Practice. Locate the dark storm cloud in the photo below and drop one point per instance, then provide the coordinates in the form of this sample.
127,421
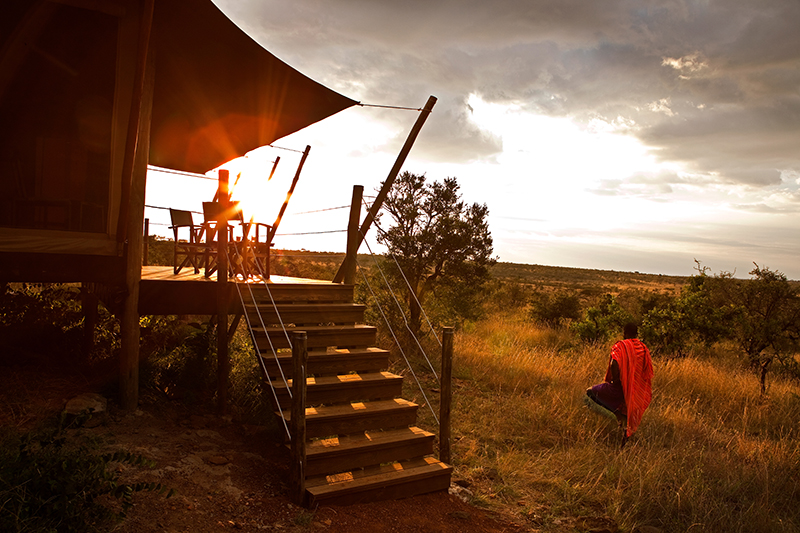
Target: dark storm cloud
714,84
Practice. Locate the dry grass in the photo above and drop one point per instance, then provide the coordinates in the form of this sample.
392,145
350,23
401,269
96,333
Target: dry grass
710,455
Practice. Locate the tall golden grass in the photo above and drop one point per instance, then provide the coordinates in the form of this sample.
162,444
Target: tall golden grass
711,454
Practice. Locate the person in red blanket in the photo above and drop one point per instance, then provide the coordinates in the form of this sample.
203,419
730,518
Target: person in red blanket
627,389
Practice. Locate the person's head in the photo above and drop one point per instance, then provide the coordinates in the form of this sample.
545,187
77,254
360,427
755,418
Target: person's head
630,331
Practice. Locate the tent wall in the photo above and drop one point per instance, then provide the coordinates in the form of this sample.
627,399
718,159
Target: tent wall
65,90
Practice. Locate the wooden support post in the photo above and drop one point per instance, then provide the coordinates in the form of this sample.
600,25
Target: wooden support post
223,360
132,222
133,137
146,243
288,195
446,398
234,324
387,185
298,420
353,241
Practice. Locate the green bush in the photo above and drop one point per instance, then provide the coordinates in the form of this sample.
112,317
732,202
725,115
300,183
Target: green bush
554,309
52,483
601,321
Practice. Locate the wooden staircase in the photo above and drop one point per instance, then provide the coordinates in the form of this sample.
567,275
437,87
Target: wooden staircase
361,442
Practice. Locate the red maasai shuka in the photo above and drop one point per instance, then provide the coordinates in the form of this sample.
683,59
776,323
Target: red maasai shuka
636,374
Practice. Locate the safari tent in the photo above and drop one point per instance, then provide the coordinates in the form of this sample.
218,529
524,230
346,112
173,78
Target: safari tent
91,92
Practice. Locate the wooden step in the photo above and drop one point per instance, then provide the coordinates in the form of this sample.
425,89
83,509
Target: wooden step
318,336
343,388
337,361
393,481
339,454
302,293
345,419
310,314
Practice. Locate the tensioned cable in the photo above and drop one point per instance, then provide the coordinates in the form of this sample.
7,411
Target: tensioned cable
260,359
180,172
400,308
414,294
255,343
391,107
261,319
311,232
397,342
274,306
168,208
320,210
287,149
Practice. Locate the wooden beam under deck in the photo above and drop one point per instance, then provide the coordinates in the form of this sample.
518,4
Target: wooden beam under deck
163,293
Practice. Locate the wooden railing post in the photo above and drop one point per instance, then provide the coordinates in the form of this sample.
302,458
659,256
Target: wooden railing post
298,417
223,361
352,236
446,397
146,243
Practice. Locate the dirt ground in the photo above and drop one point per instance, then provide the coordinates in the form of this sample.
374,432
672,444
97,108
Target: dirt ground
227,475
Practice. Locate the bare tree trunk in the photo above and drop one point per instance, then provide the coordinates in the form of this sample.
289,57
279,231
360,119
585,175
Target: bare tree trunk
765,364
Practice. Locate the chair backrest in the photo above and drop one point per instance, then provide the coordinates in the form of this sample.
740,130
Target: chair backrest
211,212
181,218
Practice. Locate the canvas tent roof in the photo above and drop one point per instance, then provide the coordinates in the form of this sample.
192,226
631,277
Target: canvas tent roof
66,84
219,94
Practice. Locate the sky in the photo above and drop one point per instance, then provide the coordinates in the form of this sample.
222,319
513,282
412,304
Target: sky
616,135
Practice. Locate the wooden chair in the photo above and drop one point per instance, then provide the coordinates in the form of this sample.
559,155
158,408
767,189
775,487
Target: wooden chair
191,250
256,248
248,252
209,234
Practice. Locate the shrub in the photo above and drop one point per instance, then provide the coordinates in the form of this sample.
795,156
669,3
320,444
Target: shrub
51,483
554,309
601,321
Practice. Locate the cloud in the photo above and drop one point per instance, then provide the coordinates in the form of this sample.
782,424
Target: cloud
711,84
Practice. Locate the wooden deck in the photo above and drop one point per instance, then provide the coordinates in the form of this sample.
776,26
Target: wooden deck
162,292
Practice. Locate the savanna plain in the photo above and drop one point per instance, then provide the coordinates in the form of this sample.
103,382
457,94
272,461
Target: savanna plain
715,452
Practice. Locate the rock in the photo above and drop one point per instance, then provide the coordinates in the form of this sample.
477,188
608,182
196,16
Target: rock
461,493
91,402
218,460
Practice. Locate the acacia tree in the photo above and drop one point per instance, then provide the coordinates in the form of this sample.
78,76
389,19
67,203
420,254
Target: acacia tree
440,243
766,316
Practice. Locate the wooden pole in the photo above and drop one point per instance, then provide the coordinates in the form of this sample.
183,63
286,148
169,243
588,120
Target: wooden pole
387,185
129,314
288,195
146,243
132,139
223,360
298,417
352,235
446,397
274,166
